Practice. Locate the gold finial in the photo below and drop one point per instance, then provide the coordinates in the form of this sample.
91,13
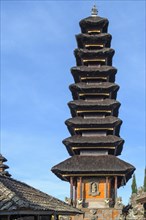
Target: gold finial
94,11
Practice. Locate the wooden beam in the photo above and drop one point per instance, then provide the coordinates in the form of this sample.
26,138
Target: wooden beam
106,191
81,188
115,187
75,199
71,189
91,174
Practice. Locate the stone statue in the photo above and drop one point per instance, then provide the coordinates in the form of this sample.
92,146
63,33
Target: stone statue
137,211
68,200
140,191
131,215
80,203
119,204
94,187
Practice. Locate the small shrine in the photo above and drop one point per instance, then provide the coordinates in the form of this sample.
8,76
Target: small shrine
94,170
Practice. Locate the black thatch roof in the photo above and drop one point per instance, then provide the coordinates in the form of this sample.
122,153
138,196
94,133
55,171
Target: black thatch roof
106,104
2,158
17,197
83,39
93,71
4,166
93,19
99,164
94,87
106,86
107,122
77,142
94,22
97,122
96,69
93,54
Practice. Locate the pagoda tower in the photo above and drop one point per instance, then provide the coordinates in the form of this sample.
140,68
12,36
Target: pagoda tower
94,171
3,166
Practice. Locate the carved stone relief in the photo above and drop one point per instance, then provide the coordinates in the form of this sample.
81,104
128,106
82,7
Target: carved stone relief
94,189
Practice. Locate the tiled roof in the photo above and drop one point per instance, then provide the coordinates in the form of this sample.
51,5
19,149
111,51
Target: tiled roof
17,196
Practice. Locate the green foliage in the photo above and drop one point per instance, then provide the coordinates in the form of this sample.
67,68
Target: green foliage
134,185
144,184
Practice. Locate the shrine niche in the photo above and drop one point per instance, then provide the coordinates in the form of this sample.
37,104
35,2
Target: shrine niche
93,186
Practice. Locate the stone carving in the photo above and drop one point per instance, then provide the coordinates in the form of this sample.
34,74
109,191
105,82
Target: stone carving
63,217
131,215
68,200
137,211
94,217
93,211
107,202
118,203
140,191
80,203
94,189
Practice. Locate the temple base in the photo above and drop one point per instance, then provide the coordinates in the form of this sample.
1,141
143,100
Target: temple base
101,214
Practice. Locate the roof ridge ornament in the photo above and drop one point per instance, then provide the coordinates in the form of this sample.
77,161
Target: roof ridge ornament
94,11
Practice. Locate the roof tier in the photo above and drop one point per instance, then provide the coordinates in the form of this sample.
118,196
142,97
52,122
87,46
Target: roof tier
98,24
93,73
78,125
105,89
3,166
2,158
91,41
99,165
76,143
103,56
107,106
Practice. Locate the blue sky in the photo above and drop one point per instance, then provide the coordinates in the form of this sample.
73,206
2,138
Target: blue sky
37,43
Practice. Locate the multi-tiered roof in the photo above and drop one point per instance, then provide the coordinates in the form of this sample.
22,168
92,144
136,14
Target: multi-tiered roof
95,142
3,166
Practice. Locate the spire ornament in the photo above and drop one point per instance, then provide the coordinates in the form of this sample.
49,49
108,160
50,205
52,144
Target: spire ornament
94,11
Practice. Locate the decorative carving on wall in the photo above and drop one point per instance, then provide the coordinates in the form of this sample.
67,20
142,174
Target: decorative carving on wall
68,200
79,203
136,211
94,189
93,211
118,203
107,202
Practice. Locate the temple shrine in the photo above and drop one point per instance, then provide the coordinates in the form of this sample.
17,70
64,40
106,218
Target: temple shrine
94,170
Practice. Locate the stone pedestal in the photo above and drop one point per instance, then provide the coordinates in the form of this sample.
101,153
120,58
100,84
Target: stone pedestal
102,214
